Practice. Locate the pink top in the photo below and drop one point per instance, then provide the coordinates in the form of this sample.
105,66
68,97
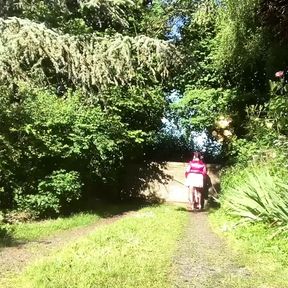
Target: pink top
196,166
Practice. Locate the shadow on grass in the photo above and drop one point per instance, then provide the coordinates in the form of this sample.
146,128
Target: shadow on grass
6,237
107,209
92,206
182,209
133,193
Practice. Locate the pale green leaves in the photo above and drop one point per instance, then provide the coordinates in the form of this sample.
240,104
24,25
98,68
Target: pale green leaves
114,8
90,62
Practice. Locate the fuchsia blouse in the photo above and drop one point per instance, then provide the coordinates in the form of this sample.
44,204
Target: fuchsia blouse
197,167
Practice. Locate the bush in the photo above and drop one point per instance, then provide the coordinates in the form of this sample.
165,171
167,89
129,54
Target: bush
40,205
5,231
53,192
278,110
257,193
65,185
14,216
5,234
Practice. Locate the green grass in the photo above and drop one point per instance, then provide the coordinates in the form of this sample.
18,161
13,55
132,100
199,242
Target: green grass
29,231
266,257
133,252
37,230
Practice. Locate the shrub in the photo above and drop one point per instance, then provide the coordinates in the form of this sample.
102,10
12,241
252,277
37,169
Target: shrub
5,231
40,205
53,191
65,185
257,193
14,216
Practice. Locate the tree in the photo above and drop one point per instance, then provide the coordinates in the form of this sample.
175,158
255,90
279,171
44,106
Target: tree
86,92
274,14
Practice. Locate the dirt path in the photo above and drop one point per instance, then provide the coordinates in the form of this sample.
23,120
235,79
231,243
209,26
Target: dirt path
14,259
203,260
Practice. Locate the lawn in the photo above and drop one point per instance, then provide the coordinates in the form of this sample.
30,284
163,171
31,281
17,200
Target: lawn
135,251
258,247
34,230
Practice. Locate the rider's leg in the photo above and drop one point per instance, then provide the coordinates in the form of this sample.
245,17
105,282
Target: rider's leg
190,195
199,198
194,197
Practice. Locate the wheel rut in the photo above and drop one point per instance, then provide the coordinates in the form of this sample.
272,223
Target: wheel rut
203,259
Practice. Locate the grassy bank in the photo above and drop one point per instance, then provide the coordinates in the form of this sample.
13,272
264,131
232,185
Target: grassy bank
253,218
36,230
29,231
257,193
265,256
133,252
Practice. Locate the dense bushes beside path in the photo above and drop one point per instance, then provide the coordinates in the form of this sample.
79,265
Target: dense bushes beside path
51,146
257,193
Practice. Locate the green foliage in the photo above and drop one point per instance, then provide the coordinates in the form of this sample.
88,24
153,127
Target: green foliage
104,70
168,147
200,108
81,16
197,21
48,133
52,192
243,151
68,127
65,185
40,205
42,54
93,61
257,193
265,128
256,188
81,90
239,45
141,108
258,246
278,108
246,50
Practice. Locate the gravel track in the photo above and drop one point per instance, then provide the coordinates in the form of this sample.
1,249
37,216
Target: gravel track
203,260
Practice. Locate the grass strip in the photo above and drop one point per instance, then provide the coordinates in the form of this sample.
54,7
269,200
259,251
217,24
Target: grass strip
36,230
265,256
30,231
135,251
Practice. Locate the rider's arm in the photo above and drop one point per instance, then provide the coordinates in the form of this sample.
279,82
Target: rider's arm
187,170
204,170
